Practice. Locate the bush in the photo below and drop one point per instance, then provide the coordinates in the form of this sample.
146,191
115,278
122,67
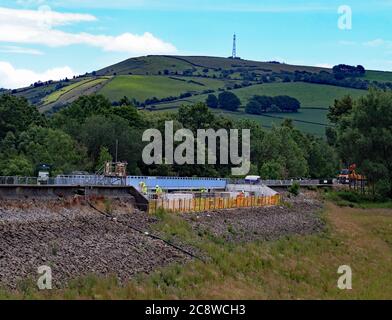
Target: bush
229,101
260,104
294,189
212,101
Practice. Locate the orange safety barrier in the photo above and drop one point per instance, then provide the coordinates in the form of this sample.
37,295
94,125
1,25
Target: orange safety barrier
208,204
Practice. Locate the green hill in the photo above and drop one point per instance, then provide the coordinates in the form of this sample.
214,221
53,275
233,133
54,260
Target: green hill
161,83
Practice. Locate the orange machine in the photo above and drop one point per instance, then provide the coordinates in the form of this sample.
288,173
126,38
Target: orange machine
343,177
349,176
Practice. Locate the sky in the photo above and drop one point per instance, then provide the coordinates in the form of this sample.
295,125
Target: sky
53,39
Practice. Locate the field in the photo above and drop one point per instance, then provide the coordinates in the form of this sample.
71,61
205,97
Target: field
381,76
71,92
297,266
151,65
312,121
224,63
315,100
310,95
144,87
57,94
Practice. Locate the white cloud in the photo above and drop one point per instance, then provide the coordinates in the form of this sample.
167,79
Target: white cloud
21,50
377,43
11,78
30,2
324,65
44,17
38,27
267,6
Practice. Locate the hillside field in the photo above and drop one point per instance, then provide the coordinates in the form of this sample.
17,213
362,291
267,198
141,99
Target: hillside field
175,77
381,76
315,100
144,87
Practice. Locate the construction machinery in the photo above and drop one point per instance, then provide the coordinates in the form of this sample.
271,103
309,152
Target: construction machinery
351,177
344,176
43,173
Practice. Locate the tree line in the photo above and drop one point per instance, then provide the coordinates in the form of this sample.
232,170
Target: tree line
262,104
363,136
82,136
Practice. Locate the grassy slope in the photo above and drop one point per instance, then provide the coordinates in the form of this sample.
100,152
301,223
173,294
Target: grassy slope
297,267
72,92
225,63
57,94
310,95
153,64
310,115
145,65
30,93
381,76
143,87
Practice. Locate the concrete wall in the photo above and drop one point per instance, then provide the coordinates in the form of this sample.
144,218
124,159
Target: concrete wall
53,192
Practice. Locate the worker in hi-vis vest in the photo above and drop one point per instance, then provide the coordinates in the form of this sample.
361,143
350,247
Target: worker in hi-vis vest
158,191
143,187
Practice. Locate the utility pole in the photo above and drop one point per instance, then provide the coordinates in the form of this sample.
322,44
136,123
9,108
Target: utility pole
116,149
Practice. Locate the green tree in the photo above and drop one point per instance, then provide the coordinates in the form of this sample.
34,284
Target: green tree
280,146
52,146
322,159
196,116
104,156
124,101
331,135
286,103
85,107
212,101
98,131
253,107
365,138
16,165
16,115
129,113
272,170
340,108
228,101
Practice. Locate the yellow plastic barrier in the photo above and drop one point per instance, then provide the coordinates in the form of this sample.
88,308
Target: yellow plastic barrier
208,204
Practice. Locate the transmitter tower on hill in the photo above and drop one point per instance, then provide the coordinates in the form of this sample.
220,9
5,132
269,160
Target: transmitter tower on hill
234,53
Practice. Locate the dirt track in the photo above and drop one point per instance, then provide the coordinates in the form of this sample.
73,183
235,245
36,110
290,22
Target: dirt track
76,240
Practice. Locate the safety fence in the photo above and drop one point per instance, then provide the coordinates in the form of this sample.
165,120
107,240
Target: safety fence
211,203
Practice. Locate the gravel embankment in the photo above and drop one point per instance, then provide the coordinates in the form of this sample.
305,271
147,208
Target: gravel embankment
268,223
75,240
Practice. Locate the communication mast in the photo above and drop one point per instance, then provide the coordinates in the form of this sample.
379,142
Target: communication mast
234,54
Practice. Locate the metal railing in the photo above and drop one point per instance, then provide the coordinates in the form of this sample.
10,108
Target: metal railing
90,180
19,180
168,183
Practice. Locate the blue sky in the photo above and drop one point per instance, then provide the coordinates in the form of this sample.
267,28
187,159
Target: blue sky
44,39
